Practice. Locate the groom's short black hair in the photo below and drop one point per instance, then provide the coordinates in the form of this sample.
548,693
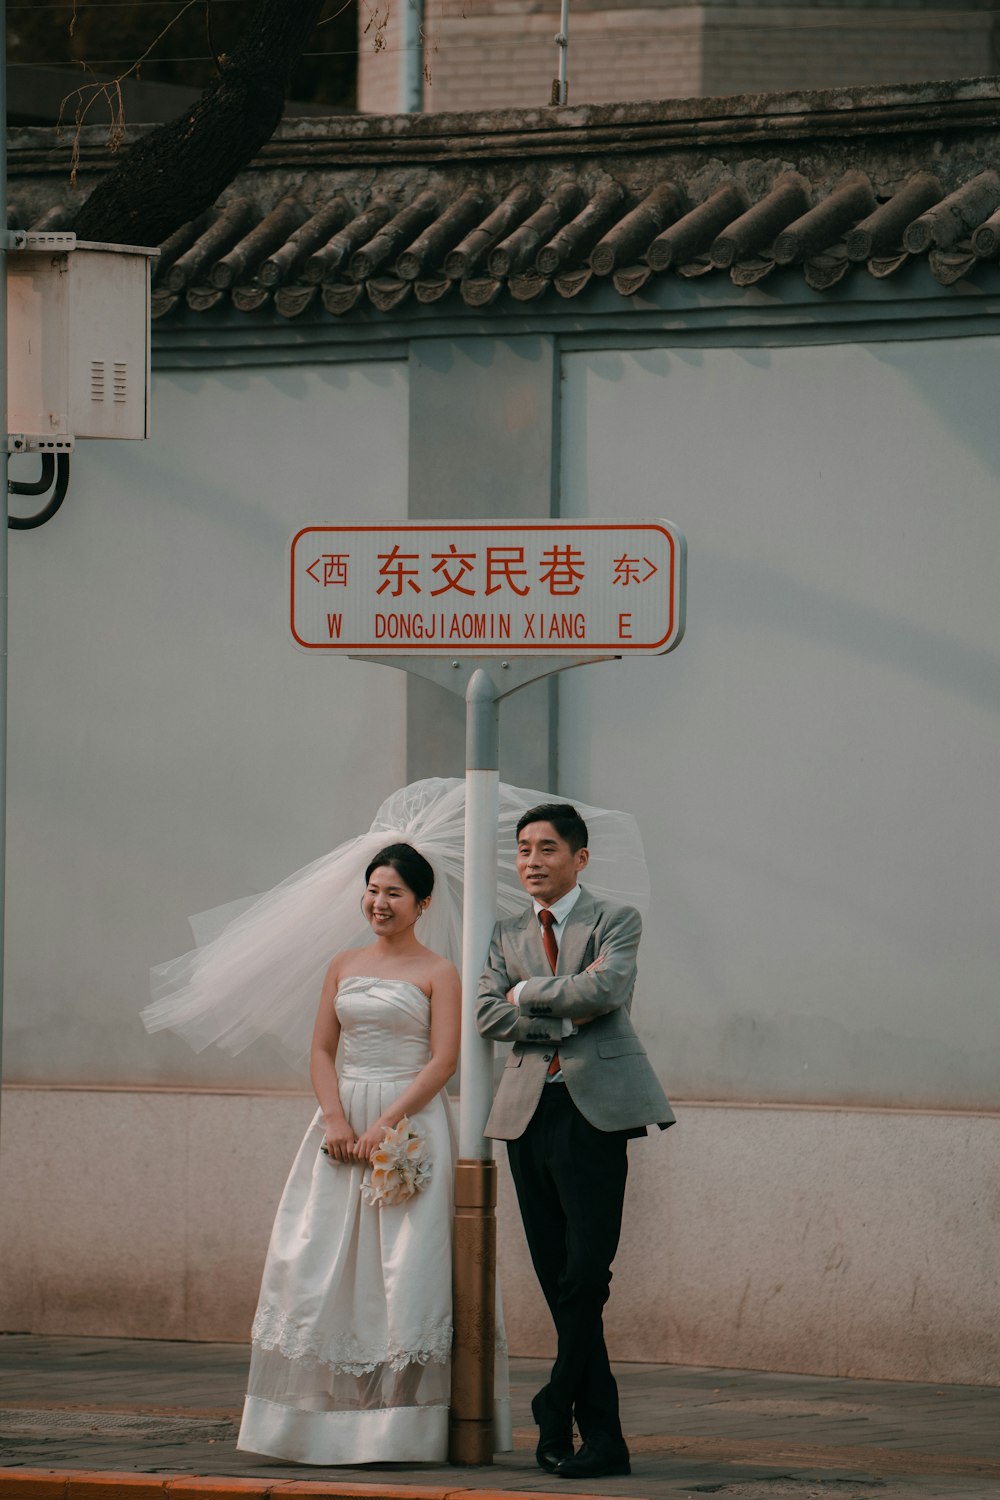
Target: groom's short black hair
564,819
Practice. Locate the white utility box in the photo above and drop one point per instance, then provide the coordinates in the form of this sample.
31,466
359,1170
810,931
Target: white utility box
77,342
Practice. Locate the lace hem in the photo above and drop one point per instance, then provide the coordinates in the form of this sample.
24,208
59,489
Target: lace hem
346,1355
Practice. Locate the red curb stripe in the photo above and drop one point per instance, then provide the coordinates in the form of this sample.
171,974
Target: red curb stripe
109,1485
83,1484
32,1484
193,1488
343,1489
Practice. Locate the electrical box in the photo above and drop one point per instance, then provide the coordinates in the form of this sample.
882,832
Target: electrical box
77,342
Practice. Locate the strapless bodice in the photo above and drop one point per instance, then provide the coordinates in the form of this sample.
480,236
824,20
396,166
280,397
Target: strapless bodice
385,1027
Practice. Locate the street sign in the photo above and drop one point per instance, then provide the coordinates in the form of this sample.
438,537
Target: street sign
507,588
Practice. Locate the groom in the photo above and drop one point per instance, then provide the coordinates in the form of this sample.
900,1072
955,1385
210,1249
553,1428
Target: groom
558,984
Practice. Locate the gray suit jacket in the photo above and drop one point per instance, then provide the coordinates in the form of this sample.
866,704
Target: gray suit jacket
604,1064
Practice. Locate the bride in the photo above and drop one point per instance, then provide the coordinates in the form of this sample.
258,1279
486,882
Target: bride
352,1337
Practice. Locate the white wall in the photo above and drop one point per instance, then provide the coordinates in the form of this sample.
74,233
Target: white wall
838,1242
170,748
816,768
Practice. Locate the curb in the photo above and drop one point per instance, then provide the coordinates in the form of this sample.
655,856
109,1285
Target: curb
90,1484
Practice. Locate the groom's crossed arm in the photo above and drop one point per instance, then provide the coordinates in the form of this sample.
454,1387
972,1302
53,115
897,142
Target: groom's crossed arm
543,1004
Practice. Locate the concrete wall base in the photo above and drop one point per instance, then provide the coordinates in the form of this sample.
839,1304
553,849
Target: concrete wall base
855,1242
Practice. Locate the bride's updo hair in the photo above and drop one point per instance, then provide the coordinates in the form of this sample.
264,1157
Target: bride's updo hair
409,864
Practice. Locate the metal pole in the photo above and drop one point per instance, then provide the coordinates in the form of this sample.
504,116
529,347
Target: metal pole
482,807
4,473
561,89
473,1354
412,57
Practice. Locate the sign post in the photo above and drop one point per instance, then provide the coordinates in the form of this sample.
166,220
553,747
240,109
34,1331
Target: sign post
482,609
475,1239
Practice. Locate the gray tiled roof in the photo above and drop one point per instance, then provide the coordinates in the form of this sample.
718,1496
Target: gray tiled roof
445,217
527,244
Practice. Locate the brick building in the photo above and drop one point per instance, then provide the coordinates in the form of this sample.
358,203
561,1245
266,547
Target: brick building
481,54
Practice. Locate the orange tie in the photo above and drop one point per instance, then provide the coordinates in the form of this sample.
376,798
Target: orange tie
552,954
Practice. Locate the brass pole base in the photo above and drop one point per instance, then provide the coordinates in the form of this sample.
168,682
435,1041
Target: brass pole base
474,1295
470,1443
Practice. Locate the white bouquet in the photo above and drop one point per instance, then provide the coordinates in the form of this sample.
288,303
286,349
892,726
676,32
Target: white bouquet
401,1166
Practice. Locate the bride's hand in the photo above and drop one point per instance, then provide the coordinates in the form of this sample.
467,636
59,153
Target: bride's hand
367,1144
339,1142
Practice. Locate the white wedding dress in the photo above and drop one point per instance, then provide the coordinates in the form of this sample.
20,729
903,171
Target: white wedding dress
352,1337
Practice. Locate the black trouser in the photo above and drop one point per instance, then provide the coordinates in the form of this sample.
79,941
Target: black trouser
570,1181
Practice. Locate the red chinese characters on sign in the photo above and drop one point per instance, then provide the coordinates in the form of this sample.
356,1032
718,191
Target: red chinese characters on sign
397,569
562,569
330,569
453,566
629,570
504,566
576,588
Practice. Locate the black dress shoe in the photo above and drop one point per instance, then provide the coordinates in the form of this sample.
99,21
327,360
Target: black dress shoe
552,1456
594,1463
555,1437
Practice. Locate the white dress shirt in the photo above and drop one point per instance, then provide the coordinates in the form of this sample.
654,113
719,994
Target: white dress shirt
560,910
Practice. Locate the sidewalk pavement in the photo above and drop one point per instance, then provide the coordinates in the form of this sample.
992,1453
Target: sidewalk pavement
117,1419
